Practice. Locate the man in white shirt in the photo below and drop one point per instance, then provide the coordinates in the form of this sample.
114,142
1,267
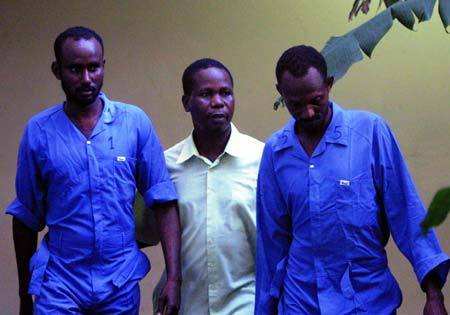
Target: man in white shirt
215,171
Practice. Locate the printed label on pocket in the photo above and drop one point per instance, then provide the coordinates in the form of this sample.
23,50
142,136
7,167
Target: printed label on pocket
121,158
344,182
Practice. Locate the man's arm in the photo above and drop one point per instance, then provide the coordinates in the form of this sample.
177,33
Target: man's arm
435,299
170,233
273,228
27,209
25,243
404,212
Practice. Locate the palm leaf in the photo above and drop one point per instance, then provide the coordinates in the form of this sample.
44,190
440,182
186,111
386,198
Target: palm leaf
341,52
369,34
438,210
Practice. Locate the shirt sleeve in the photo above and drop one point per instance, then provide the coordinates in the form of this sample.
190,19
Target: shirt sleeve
404,208
28,206
153,180
273,237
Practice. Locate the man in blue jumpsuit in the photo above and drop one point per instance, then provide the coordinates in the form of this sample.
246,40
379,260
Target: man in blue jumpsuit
332,187
79,165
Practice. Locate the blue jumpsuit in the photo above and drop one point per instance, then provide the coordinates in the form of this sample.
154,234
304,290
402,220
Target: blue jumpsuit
83,190
323,221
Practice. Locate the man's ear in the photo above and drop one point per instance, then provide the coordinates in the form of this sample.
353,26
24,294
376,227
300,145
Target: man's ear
329,81
55,70
185,101
278,88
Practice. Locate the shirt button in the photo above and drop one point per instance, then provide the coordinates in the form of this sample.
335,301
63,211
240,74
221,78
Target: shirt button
88,142
311,165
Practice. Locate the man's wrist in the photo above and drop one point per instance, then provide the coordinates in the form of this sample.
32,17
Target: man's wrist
434,295
178,280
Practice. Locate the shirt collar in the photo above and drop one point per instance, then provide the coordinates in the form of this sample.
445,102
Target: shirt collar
109,110
233,147
337,130
234,144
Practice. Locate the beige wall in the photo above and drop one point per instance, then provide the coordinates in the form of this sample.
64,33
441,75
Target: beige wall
149,43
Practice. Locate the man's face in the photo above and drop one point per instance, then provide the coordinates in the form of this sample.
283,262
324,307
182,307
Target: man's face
80,70
211,102
306,99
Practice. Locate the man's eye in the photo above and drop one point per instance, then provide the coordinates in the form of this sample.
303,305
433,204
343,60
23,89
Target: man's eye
203,94
317,99
92,68
73,69
227,93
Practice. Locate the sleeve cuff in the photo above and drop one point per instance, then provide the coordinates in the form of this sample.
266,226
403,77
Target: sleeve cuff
160,193
22,213
439,263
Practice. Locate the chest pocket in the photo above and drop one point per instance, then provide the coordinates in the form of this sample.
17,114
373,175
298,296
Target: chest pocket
355,202
124,168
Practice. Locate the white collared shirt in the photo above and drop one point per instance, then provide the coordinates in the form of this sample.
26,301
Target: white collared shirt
218,215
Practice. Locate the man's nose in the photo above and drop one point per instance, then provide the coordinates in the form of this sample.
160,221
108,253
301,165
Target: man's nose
85,76
308,112
216,100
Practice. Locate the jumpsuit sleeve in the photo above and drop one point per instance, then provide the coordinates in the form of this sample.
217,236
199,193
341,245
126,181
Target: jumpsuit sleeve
28,206
403,207
273,237
152,177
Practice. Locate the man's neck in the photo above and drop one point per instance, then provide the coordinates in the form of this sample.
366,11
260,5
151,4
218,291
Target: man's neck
85,118
210,144
81,112
310,139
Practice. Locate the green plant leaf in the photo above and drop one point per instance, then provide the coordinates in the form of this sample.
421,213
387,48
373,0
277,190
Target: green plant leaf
404,15
438,210
341,52
369,34
444,12
388,3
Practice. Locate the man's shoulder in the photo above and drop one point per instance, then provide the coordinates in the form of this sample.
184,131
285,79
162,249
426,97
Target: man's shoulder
359,116
41,118
171,154
280,137
121,107
251,145
362,121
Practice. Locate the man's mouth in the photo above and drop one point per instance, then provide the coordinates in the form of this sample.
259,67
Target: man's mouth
86,92
217,116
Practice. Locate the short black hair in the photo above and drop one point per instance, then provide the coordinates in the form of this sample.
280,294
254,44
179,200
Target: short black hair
77,33
298,59
195,67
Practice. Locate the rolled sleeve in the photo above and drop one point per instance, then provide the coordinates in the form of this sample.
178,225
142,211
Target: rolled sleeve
28,204
439,263
160,193
25,215
153,180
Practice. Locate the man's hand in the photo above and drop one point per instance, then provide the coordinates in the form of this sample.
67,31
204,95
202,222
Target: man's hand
170,235
25,243
169,299
435,305
26,305
435,299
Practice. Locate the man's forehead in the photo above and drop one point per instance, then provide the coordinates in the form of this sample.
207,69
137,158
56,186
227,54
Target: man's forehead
73,46
71,41
211,76
311,79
